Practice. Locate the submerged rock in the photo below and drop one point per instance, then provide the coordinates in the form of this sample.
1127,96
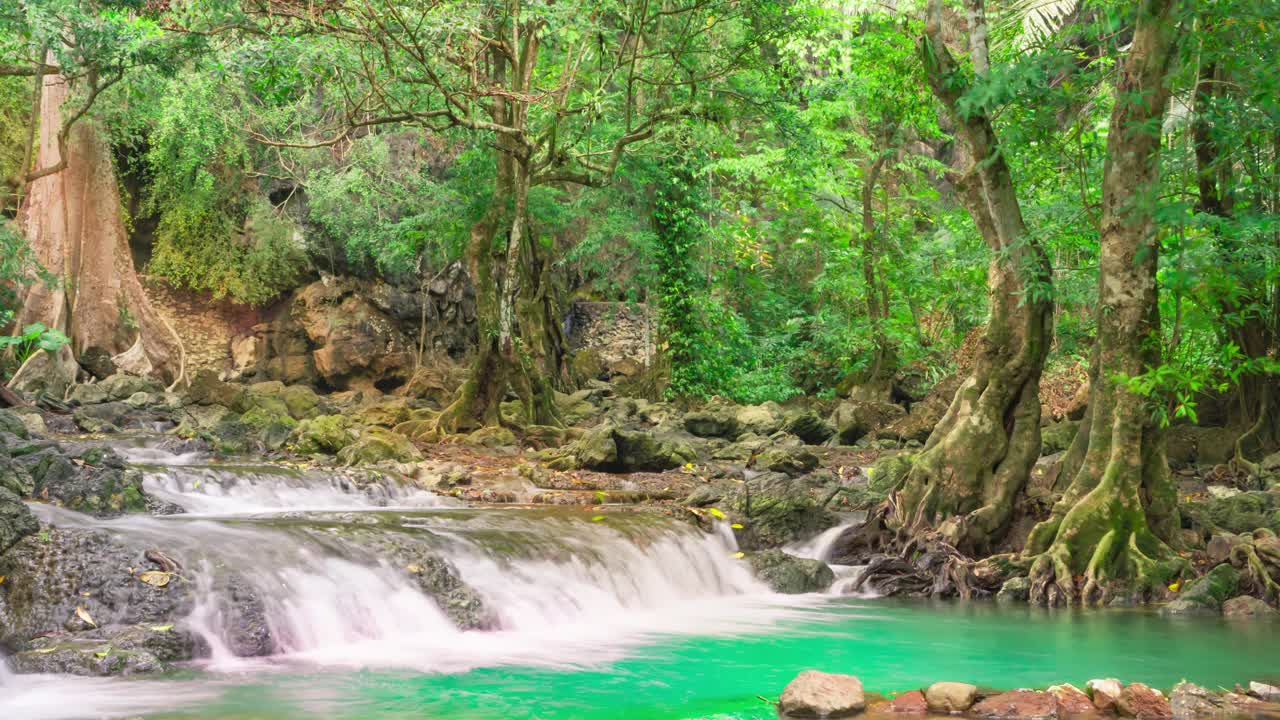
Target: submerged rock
790,575
950,697
1247,606
822,695
909,703
128,650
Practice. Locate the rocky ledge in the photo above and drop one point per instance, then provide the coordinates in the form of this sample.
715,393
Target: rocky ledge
815,694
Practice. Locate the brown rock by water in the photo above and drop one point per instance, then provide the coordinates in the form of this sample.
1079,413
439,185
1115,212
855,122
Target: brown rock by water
1105,693
1072,702
823,695
1141,702
1018,705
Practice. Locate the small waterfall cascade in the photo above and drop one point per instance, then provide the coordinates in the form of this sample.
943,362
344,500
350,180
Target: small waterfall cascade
820,548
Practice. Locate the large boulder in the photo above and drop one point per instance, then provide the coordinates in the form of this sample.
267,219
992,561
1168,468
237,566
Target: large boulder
1143,703
855,419
822,695
1207,593
788,458
790,575
326,434
1247,606
121,386
918,424
207,388
774,510
765,419
809,427
610,448
377,445
83,477
1058,436
713,421
1240,513
950,698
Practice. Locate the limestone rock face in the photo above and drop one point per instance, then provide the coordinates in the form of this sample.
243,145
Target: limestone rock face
822,695
854,419
950,697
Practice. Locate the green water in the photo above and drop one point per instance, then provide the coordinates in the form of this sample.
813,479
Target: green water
890,645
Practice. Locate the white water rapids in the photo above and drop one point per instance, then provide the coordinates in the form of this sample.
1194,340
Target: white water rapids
567,587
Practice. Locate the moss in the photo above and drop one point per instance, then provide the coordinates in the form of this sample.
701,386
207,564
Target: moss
327,434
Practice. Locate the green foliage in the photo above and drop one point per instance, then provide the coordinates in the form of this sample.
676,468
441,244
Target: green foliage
213,232
36,336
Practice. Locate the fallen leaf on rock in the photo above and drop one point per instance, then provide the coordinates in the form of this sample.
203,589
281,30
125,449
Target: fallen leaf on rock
84,615
736,526
597,518
161,628
415,569
716,513
155,578
739,554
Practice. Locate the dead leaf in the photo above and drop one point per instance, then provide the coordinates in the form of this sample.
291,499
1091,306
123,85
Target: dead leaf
739,554
155,578
84,615
1,579
415,569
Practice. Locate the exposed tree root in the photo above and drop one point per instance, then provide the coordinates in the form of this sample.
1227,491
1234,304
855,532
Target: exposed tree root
1253,559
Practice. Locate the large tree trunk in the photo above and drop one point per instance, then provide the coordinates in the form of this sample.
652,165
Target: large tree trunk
978,459
1112,526
521,341
73,221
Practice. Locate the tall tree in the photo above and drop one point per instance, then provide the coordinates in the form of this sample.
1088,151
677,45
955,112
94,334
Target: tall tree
1114,523
978,458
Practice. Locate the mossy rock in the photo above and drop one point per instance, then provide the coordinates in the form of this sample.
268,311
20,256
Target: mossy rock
377,445
712,422
11,423
272,429
1058,436
207,389
775,510
327,434
16,520
888,472
810,427
793,461
1206,594
492,436
301,401
385,413
1242,513
788,574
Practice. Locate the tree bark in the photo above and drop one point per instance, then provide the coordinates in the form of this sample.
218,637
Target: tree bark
978,458
875,384
73,220
1113,525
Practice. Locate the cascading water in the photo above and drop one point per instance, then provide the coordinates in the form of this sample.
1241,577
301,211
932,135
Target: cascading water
819,548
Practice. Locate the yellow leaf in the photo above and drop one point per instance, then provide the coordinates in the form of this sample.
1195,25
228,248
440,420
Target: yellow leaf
155,578
84,615
597,518
1175,586
739,554
715,513
736,526
44,651
1,579
161,628
415,569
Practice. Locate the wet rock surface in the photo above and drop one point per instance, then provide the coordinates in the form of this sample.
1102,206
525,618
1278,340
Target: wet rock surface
790,575
822,695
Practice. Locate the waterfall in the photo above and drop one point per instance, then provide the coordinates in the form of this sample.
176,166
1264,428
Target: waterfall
202,487
819,548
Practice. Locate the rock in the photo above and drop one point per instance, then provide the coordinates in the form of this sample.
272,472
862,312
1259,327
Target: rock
711,422
888,472
97,362
207,389
1192,702
1058,436
491,437
16,520
1017,589
1105,693
121,386
793,461
809,427
762,420
326,434
388,412
1206,593
1220,546
1072,702
138,400
88,394
854,419
1263,691
822,695
112,652
301,401
950,697
1017,705
86,478
377,445
1144,703
908,703
1241,513
351,337
1247,606
790,575
271,429
776,510
645,450
924,416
